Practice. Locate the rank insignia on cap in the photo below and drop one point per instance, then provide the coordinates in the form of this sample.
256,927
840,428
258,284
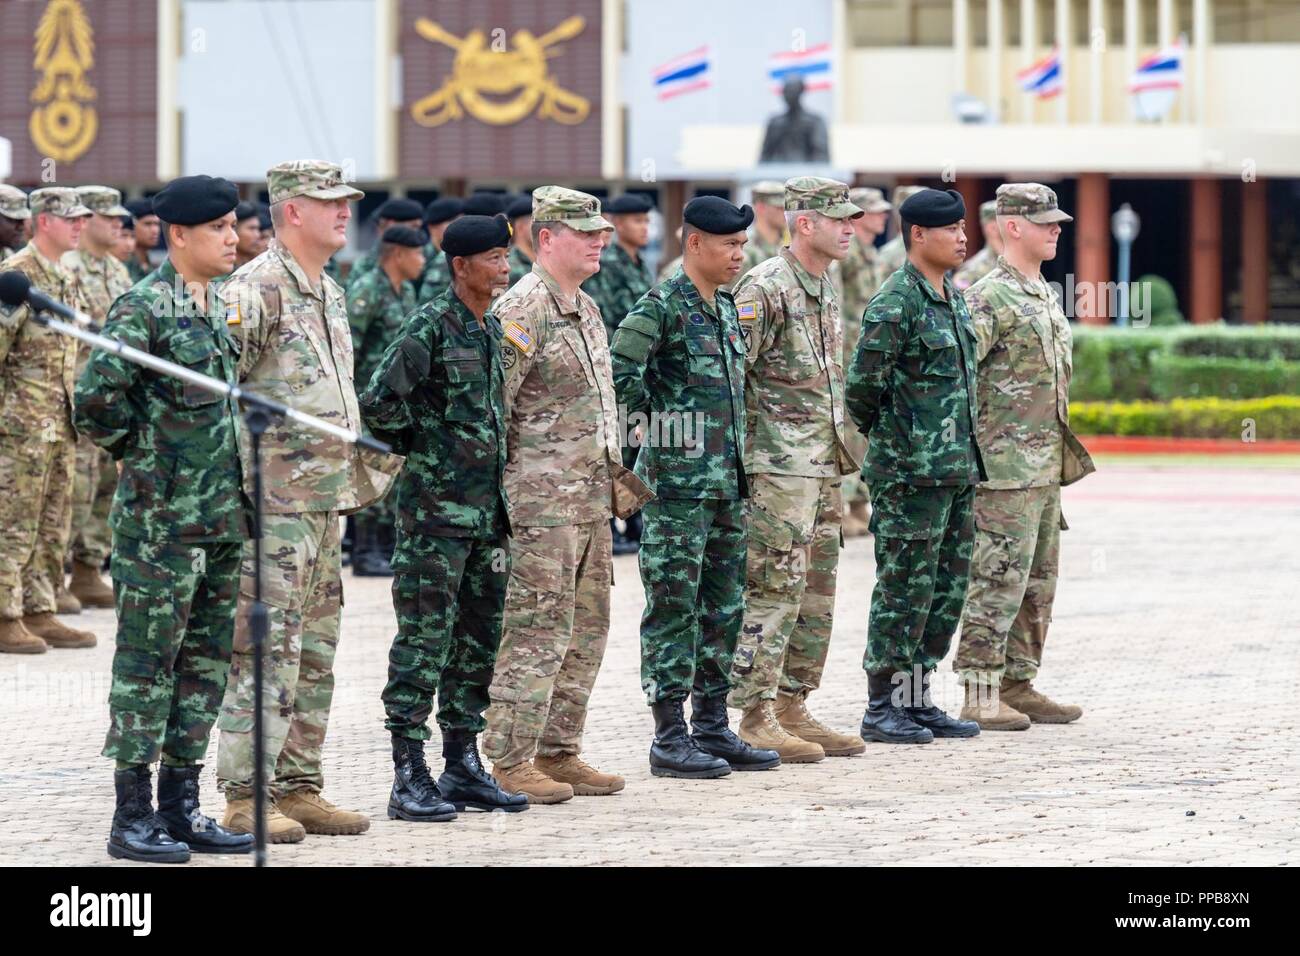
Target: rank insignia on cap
747,312
517,335
232,314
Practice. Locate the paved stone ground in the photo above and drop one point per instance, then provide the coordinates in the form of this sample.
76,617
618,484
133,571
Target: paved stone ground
1176,628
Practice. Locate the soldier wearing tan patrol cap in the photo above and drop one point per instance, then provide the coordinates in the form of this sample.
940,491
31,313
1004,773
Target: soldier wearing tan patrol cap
982,263
14,217
767,235
892,253
37,442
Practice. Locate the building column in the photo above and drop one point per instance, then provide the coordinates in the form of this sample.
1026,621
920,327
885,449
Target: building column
1092,242
1065,44
960,45
1097,44
1201,40
994,60
1028,49
1254,251
1207,250
1132,27
969,187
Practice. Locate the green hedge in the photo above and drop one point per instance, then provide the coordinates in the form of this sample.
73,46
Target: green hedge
1183,376
1277,417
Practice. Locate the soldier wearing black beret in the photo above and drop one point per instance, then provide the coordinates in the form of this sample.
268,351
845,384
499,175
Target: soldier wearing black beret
248,227
124,248
438,215
176,550
520,213
484,204
147,231
391,212
912,392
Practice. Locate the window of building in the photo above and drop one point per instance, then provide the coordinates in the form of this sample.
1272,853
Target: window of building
1256,21
900,22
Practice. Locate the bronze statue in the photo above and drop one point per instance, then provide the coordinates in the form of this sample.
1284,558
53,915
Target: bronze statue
795,136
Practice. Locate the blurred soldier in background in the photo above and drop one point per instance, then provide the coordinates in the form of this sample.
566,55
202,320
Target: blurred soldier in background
892,253
522,253
438,215
147,232
14,220
984,261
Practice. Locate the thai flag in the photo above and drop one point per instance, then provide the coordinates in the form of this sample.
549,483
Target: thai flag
682,74
813,64
1044,77
1159,71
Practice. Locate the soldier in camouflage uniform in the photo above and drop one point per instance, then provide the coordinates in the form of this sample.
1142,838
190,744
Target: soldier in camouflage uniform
1023,346
38,446
911,391
248,227
290,327
984,261
378,303
393,212
862,275
178,523
563,475
435,279
438,396
679,366
893,255
522,254
14,219
102,279
147,232
796,455
768,235
125,244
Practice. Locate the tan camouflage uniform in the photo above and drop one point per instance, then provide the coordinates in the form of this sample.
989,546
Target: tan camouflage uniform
1029,451
13,205
563,470
102,280
37,441
295,346
892,253
795,454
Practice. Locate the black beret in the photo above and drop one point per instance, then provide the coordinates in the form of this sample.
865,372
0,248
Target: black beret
522,206
484,204
264,216
245,210
128,222
404,236
470,235
440,210
628,203
714,214
191,200
400,210
932,207
139,207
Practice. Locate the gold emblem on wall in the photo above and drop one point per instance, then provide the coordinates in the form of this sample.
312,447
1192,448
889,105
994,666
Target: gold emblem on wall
63,126
500,86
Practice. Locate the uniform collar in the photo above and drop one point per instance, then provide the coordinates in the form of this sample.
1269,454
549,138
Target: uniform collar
819,289
1035,287
278,248
566,305
949,289
52,268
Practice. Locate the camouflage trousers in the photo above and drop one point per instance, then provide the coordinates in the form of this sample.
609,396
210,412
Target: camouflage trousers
35,519
303,592
692,561
92,497
923,539
1012,586
175,625
553,641
794,552
448,630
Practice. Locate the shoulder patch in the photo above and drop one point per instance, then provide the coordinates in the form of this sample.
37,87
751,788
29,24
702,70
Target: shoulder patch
747,312
518,335
508,356
232,314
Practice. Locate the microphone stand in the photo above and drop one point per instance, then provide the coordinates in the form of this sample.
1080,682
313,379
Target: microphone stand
259,411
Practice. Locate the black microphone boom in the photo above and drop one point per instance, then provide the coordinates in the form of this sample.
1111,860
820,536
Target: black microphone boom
16,289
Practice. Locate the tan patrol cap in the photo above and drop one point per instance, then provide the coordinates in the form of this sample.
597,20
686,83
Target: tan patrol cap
577,210
13,203
826,196
869,199
768,191
1033,201
61,201
102,200
313,178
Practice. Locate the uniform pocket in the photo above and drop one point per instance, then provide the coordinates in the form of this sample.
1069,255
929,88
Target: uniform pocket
533,595
940,355
196,352
297,356
561,369
466,384
705,361
774,560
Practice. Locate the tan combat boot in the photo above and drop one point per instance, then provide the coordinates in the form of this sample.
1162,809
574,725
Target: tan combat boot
586,781
760,728
532,783
792,713
65,602
279,828
986,707
1041,709
88,586
318,815
16,639
55,633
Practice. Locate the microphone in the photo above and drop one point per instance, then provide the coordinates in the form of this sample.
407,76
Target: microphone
16,289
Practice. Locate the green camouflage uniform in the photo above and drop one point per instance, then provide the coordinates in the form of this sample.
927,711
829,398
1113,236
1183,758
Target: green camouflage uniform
796,452
520,264
975,268
1023,346
363,265
862,275
680,361
618,285
437,397
911,391
37,441
294,346
436,277
178,518
135,270
756,251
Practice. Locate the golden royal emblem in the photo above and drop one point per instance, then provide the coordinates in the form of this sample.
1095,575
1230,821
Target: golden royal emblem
500,87
64,126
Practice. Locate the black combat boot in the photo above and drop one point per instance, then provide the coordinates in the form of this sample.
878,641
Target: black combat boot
178,809
923,712
886,722
465,783
368,559
712,735
137,833
674,753
415,798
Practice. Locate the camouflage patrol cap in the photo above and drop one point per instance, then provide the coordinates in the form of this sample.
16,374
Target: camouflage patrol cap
1033,201
872,200
988,210
313,178
13,203
902,193
826,196
103,200
577,210
768,191
61,201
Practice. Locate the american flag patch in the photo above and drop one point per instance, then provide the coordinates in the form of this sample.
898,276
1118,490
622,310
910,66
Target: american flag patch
232,314
747,312
519,337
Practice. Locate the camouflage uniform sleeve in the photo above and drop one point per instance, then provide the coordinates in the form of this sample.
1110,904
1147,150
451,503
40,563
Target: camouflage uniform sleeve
523,334
635,344
11,323
884,332
761,320
984,319
405,366
360,304
254,323
101,411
